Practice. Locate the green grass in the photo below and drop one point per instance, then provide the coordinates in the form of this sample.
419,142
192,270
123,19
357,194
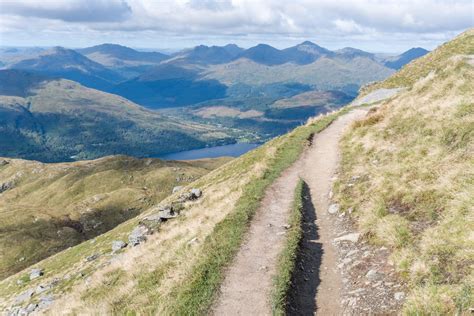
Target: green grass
54,206
197,293
286,260
415,191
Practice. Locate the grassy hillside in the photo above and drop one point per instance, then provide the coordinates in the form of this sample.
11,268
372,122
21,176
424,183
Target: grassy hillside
434,61
408,170
45,208
179,268
60,120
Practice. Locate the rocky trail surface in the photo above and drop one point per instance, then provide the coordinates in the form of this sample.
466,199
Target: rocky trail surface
336,273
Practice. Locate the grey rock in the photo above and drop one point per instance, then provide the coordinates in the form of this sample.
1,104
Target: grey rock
45,301
24,296
138,235
167,212
4,162
118,244
6,186
399,296
352,237
31,308
41,288
35,273
92,257
372,275
196,193
333,208
177,188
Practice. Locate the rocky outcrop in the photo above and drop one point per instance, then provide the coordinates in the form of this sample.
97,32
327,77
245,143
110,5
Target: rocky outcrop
117,245
36,273
163,213
138,235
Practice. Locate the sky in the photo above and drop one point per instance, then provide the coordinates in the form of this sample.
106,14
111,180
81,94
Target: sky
373,25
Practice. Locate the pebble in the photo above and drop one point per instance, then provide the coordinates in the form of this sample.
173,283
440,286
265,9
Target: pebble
399,296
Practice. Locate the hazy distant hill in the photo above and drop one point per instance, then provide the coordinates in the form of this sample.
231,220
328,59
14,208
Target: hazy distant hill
127,61
57,120
401,60
68,64
203,54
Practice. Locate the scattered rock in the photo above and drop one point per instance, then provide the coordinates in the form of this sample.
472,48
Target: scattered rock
92,257
287,226
117,245
35,273
192,241
4,162
21,259
6,186
196,193
41,288
19,282
352,237
177,188
372,275
193,194
138,235
45,301
24,296
167,212
399,296
31,308
333,208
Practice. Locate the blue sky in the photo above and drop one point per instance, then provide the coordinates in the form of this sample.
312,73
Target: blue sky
374,25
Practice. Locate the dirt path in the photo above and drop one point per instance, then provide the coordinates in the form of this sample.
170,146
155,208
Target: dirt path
247,287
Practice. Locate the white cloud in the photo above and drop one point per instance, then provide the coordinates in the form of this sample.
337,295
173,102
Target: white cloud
172,21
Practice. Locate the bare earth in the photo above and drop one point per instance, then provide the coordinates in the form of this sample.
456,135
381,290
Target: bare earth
247,286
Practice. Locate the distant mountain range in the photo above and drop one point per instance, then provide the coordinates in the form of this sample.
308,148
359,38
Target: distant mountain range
241,90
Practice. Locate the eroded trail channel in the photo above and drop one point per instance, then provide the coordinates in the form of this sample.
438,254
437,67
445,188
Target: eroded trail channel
247,285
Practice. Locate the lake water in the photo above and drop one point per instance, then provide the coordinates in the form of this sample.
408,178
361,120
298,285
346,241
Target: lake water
233,150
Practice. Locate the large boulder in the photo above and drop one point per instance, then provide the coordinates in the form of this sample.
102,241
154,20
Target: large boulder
117,245
167,212
138,235
23,297
35,273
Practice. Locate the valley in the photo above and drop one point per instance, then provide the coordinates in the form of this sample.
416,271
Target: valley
195,98
46,208
261,174
378,237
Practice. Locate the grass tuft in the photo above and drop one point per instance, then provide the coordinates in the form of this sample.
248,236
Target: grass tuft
287,259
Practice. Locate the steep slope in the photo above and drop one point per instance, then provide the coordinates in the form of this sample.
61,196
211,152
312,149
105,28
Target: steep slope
401,60
407,173
179,267
60,120
45,208
68,64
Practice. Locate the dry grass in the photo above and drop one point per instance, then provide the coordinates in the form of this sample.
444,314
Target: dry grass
55,206
413,190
